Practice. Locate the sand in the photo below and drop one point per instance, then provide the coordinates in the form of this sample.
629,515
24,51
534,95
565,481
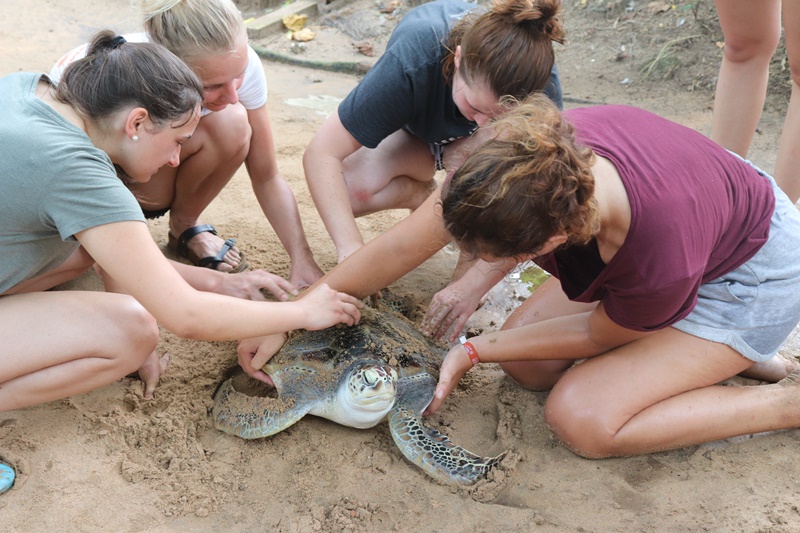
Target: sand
110,461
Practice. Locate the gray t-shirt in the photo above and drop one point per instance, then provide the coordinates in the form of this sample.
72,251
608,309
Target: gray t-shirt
406,88
55,183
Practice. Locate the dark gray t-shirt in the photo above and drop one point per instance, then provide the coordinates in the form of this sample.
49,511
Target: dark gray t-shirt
406,88
54,183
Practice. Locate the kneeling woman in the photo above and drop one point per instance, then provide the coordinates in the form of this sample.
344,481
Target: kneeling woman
675,266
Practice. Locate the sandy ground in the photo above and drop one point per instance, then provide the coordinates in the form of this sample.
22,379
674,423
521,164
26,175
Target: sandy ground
110,461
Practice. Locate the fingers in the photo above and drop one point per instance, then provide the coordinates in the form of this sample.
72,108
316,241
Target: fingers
151,373
454,366
351,308
280,288
443,390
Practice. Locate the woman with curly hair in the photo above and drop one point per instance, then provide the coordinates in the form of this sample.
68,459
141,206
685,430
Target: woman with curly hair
674,263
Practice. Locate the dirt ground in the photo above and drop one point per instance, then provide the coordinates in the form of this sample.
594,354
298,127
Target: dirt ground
110,461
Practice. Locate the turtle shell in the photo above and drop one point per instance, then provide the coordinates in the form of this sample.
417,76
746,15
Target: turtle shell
381,336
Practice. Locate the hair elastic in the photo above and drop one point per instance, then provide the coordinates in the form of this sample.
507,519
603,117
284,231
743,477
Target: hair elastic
116,41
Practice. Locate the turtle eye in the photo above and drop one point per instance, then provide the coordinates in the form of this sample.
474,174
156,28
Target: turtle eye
371,376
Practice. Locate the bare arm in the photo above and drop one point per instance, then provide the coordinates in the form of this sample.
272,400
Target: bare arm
127,253
573,336
322,162
408,243
246,284
277,199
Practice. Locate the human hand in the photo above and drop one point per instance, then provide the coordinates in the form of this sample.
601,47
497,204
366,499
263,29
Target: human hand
255,352
449,310
326,307
249,284
151,371
456,363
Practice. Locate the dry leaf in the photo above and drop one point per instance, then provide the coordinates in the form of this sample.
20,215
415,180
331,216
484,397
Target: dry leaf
303,35
295,22
658,7
365,49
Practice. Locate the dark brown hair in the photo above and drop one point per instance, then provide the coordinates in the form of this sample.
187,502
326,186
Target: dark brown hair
528,183
116,74
510,47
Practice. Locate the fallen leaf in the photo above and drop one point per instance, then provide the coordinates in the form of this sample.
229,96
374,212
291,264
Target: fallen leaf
295,22
303,35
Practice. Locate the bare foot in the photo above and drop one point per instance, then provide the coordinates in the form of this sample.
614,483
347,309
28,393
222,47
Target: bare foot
151,371
773,370
208,245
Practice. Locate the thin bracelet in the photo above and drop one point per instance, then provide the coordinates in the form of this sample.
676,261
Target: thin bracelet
472,353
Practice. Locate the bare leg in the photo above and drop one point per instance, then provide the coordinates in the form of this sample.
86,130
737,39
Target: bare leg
547,301
58,344
659,393
397,174
773,370
751,31
787,166
74,266
208,162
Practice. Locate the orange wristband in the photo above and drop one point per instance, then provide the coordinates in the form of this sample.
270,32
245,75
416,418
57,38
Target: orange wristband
471,351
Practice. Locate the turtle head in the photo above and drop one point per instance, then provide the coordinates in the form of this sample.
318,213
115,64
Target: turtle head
368,394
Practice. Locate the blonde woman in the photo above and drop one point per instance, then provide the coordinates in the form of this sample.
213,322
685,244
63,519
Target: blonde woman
210,37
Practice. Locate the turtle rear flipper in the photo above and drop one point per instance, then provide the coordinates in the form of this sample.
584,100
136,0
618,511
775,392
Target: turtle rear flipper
425,446
253,417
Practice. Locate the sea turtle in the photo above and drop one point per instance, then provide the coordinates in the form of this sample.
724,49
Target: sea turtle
356,376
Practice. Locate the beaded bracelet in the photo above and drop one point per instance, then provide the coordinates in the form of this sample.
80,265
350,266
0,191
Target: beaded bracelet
471,351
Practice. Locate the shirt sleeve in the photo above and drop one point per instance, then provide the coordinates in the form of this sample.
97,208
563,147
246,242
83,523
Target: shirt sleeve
381,103
253,92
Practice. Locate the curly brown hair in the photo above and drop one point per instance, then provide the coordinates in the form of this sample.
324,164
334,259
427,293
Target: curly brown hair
510,47
529,182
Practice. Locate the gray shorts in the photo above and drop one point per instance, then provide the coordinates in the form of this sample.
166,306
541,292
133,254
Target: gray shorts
754,308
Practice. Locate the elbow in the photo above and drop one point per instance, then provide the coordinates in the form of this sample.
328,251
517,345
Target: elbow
187,325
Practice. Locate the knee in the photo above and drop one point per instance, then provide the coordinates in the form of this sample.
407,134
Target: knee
743,50
137,335
232,137
578,423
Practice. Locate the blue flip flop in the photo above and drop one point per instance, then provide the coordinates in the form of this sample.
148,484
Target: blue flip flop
7,476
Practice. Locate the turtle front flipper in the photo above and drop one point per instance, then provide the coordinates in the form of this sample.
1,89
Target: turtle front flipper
253,417
428,448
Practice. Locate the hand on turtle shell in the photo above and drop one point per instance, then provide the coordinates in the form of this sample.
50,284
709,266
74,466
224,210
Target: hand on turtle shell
151,371
327,307
449,311
255,352
249,285
456,363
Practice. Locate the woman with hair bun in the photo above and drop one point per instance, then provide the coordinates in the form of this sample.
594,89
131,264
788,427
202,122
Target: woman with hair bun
124,110
446,68
210,37
675,265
